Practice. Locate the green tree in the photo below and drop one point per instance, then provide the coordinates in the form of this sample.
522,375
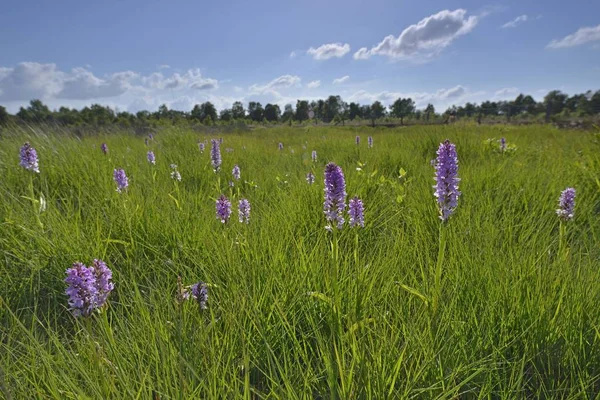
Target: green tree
354,111
554,103
226,115
4,116
288,113
255,111
272,112
301,110
429,111
402,108
237,110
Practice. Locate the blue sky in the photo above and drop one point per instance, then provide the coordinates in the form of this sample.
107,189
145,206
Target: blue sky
138,54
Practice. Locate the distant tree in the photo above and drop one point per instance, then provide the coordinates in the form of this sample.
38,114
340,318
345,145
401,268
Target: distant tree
554,103
226,115
402,108
36,112
208,110
332,107
255,111
301,110
374,112
288,113
429,111
528,104
4,116
593,106
272,112
66,116
354,111
470,109
237,110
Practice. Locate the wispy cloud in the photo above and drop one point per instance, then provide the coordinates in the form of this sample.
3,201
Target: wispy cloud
516,22
313,84
343,79
582,36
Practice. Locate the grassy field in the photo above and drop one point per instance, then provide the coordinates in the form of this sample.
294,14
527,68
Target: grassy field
295,311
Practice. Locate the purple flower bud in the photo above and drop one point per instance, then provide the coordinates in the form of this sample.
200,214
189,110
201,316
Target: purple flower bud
29,158
223,209
151,158
244,211
280,146
88,288
370,140
335,195
566,204
104,148
503,145
446,177
357,140
236,172
151,136
120,179
310,178
200,294
201,147
356,212
215,154
314,156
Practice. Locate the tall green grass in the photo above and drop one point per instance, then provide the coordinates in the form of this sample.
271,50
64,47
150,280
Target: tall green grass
295,311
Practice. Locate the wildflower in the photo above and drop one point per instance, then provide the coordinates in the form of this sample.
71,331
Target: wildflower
151,136
120,179
335,195
175,173
220,140
231,184
314,156
151,158
370,141
503,145
201,147
310,178
215,154
89,287
566,204
357,140
236,172
223,209
104,148
146,141
199,292
280,146
446,177
29,158
356,212
244,211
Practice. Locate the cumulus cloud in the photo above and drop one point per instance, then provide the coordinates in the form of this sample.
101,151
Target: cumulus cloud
341,80
293,54
425,38
583,35
421,99
190,79
164,66
30,80
313,84
81,84
284,81
329,50
515,22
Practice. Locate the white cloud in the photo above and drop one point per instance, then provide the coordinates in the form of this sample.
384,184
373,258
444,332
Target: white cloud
515,22
583,35
190,79
30,80
504,92
341,80
164,66
441,97
329,50
293,54
284,81
81,84
313,84
424,39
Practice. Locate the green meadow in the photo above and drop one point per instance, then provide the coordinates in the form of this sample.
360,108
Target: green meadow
501,301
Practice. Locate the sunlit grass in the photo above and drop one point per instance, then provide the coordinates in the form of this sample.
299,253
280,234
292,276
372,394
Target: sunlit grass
294,311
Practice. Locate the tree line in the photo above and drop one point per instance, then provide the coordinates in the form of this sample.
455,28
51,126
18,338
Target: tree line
330,110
